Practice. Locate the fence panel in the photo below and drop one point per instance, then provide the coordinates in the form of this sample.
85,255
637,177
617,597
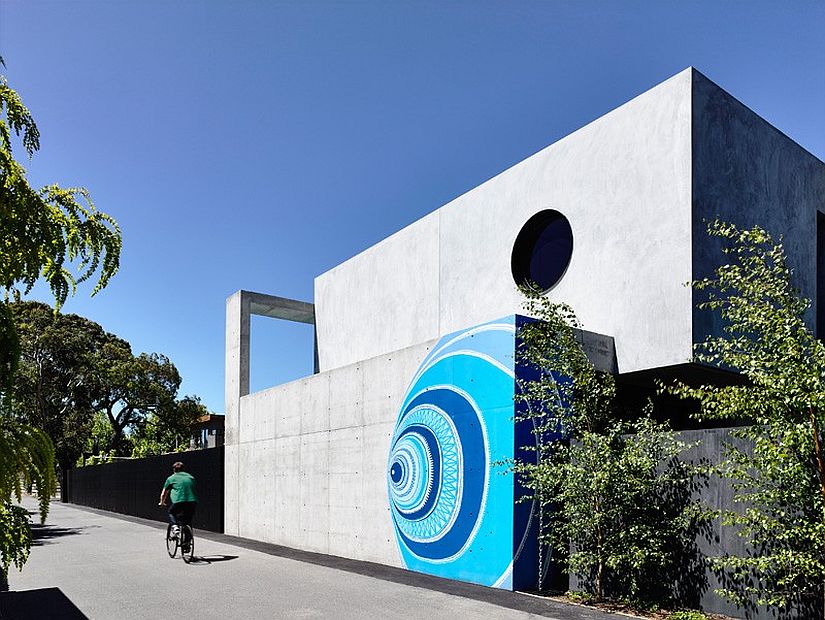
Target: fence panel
133,487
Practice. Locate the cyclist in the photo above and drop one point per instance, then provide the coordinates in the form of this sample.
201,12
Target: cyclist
181,487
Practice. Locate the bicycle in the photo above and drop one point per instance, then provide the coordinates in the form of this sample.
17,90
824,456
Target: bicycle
185,541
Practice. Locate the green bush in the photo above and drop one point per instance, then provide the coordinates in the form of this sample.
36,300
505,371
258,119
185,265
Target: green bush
614,500
687,615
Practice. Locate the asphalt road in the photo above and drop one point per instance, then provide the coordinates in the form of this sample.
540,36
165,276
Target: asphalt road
89,564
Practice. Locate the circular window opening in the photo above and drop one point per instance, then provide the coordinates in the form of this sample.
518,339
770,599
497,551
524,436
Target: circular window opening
542,251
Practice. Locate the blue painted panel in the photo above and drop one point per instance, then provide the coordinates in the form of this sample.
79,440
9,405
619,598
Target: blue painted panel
525,513
526,568
451,504
455,509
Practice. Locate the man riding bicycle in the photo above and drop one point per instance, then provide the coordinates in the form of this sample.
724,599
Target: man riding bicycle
181,487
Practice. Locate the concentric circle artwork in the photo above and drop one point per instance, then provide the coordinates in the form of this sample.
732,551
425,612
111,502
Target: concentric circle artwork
451,505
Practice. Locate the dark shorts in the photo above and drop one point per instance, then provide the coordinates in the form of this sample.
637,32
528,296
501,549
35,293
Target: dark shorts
182,512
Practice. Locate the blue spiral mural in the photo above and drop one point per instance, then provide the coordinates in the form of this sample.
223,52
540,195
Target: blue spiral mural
451,505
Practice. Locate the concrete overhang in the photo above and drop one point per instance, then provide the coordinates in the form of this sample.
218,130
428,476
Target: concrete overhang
274,307
239,309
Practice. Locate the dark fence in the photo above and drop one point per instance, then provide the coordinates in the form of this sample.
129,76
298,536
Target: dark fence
133,487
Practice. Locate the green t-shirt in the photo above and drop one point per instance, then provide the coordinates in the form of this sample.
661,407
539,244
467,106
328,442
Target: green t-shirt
183,487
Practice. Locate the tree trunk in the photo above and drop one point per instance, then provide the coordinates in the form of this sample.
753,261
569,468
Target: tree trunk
820,465
820,460
41,401
118,423
539,544
65,494
599,550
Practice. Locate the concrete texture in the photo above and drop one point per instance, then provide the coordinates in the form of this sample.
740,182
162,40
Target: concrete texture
306,467
89,564
747,172
239,309
306,461
635,185
385,299
236,382
623,182
698,581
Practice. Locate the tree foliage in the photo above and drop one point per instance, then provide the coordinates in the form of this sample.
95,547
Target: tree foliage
9,347
171,432
129,388
780,485
58,235
100,437
52,233
52,388
615,500
89,391
26,460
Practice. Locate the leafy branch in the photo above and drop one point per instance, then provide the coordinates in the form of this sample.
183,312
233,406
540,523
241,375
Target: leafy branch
780,484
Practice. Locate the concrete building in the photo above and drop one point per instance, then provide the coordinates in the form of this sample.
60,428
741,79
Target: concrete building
388,452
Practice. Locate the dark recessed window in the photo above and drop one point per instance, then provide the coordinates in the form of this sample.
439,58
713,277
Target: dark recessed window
542,251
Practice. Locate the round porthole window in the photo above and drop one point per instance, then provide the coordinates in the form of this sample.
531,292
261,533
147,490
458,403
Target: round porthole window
542,251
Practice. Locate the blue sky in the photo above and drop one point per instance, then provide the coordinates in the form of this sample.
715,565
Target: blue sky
256,145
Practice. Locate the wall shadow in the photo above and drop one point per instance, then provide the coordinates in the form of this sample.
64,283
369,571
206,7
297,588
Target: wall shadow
38,604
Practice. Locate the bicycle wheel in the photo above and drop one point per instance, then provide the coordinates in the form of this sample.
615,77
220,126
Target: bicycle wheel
171,542
187,543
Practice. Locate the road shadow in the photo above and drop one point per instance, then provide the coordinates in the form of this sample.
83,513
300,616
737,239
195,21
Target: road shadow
211,559
45,534
38,604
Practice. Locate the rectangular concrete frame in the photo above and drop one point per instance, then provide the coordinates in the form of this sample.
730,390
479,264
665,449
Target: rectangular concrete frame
239,309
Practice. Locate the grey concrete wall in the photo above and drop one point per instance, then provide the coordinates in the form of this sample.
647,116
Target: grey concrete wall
385,299
718,493
306,461
307,465
636,185
623,182
747,172
236,383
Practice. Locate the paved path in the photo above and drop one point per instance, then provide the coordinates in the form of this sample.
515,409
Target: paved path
90,564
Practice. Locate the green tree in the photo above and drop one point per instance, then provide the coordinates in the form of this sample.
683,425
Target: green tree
52,388
615,501
26,459
74,378
780,484
129,389
100,437
51,233
55,234
169,433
